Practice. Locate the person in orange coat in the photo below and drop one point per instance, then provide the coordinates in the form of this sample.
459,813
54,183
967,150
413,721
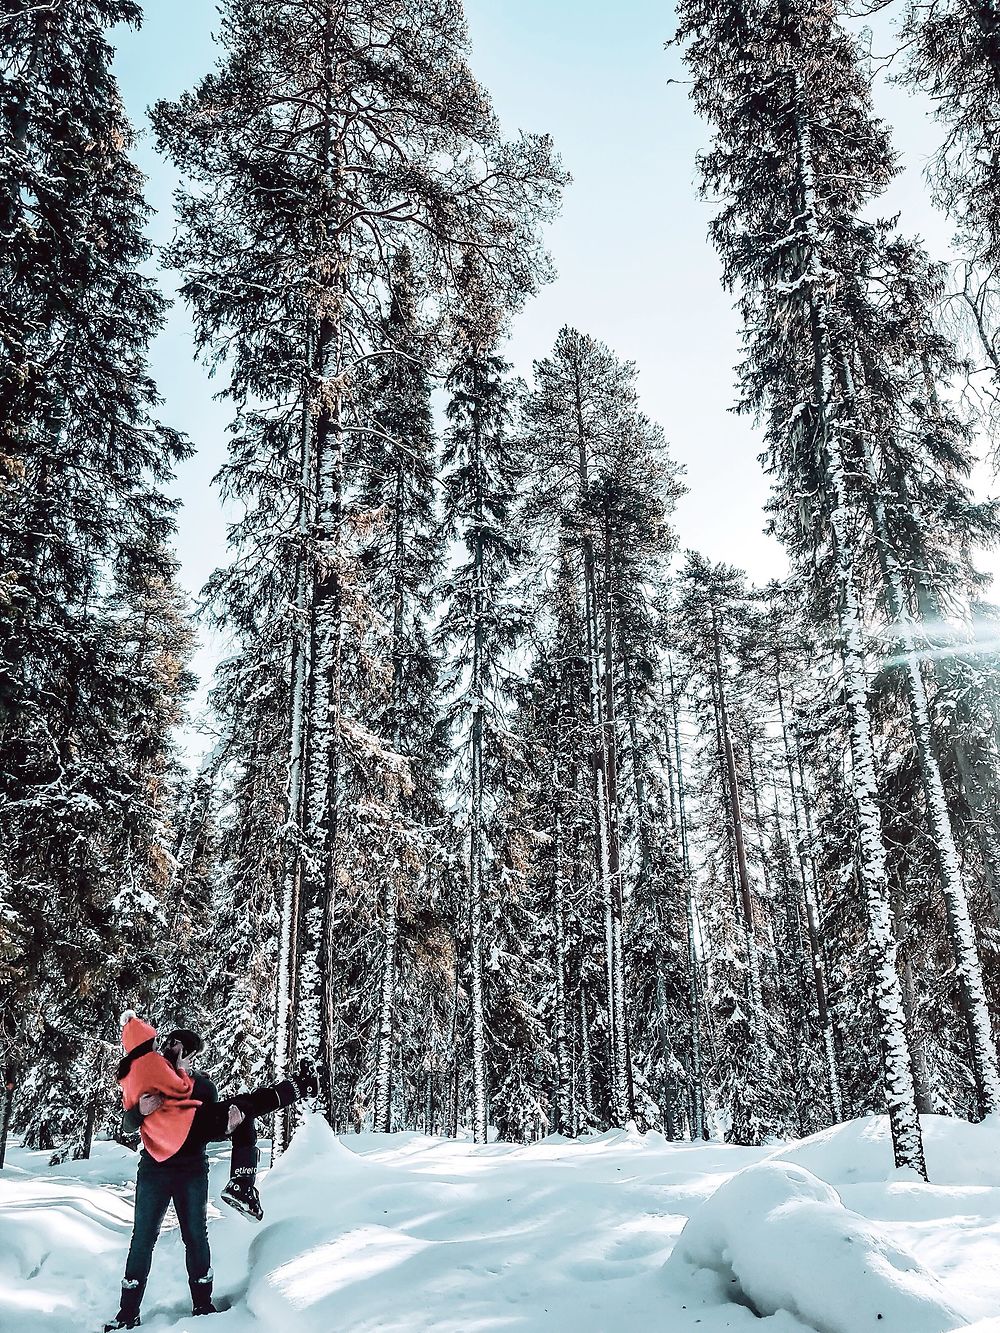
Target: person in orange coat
147,1070
177,1112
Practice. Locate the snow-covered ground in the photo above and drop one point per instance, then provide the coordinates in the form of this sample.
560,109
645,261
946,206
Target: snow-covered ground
616,1232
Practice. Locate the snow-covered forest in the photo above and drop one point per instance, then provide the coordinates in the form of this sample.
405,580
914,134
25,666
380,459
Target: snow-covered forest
512,817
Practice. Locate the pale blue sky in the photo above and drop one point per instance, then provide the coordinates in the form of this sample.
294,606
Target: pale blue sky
635,267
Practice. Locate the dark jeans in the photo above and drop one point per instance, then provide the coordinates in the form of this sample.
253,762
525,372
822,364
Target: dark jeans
183,1180
158,1184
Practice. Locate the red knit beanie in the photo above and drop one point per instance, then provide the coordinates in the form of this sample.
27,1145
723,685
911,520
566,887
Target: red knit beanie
134,1030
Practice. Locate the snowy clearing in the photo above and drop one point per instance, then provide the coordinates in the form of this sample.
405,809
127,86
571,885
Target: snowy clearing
405,1232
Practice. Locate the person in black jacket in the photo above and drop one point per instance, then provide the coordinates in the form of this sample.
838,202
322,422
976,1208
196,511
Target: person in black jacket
182,1179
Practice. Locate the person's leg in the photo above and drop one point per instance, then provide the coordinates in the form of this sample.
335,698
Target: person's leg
152,1196
209,1123
241,1191
190,1197
274,1097
245,1155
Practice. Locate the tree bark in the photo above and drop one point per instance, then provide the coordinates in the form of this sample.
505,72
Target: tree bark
8,1107
807,878
697,1119
743,874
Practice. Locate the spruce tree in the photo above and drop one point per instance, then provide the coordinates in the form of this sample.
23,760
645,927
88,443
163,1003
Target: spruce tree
953,54
478,626
401,562
92,640
297,206
794,235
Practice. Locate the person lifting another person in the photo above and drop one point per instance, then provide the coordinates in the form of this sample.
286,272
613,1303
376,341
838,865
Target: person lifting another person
177,1112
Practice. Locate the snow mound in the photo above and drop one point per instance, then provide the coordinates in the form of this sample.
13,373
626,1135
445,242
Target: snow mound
44,1229
298,1270
860,1151
776,1238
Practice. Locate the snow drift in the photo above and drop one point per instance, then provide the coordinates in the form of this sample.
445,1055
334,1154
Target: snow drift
776,1237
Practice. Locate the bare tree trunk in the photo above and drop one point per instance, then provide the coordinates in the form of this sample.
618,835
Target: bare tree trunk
8,1107
452,1126
288,939
387,998
921,1077
624,1093
476,850
697,1119
585,1061
807,878
739,842
564,1108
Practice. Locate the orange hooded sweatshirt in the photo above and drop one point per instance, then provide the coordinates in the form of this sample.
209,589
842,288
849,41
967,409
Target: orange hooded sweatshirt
165,1130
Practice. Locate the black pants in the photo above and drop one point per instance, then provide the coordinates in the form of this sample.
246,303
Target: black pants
157,1185
183,1181
211,1118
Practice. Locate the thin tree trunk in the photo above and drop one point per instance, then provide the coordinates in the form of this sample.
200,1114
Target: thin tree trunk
8,1107
739,842
452,1126
564,1110
286,982
623,1083
810,898
921,1076
697,1120
387,999
476,851
588,1073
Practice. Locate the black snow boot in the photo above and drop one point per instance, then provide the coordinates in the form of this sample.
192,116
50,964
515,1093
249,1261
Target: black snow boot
241,1192
276,1096
201,1295
305,1081
263,1101
128,1314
